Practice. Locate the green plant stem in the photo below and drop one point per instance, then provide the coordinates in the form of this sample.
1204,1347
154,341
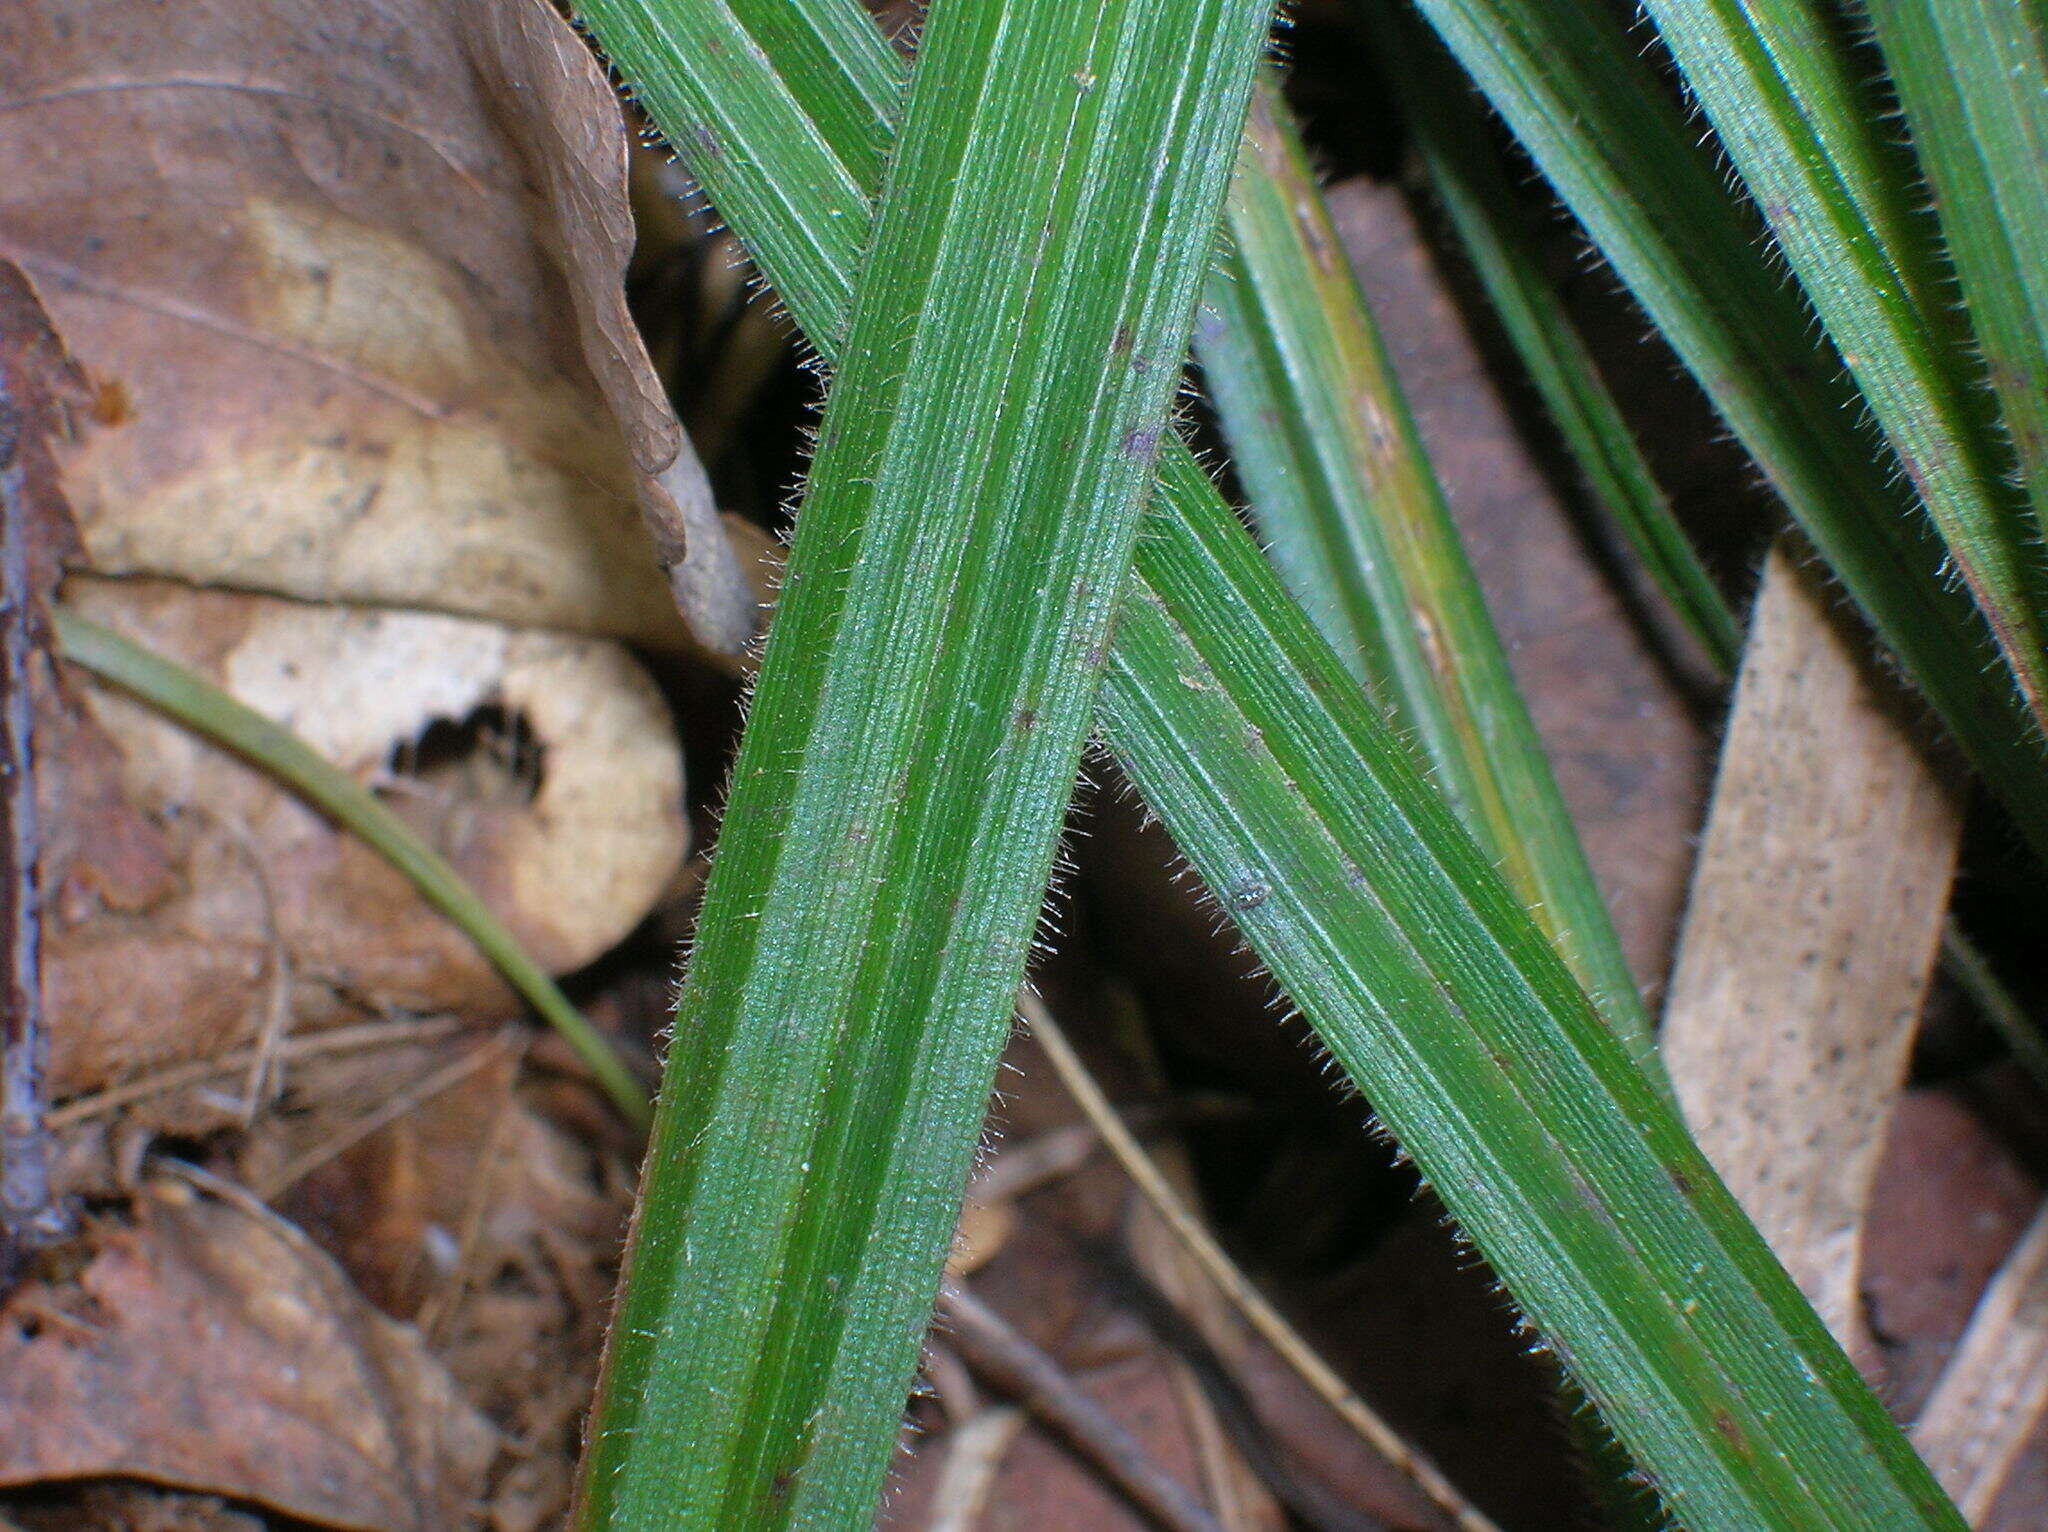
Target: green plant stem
1344,492
1973,78
1577,92
210,712
1446,125
1776,84
926,689
1563,1164
1405,951
1448,131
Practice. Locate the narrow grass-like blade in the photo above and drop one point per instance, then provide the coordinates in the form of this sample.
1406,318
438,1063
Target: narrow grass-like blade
1389,927
1445,122
1775,80
207,710
926,688
1973,77
1579,95
1345,495
1446,125
1446,1007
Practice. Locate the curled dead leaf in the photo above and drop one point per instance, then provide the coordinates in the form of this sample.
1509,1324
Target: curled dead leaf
357,271
210,1346
568,819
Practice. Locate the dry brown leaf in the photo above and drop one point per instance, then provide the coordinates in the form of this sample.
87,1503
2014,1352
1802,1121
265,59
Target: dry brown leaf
211,1347
355,270
116,1505
1990,1401
430,1212
1817,905
498,1234
267,892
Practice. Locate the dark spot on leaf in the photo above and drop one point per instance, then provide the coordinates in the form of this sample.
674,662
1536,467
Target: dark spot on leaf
1026,720
1315,236
1142,444
1591,1201
1915,474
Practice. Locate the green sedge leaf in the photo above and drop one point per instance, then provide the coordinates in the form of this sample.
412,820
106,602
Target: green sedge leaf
926,688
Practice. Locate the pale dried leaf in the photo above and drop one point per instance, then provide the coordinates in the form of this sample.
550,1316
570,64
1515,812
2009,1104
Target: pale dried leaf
356,270
974,1456
1816,908
1991,1399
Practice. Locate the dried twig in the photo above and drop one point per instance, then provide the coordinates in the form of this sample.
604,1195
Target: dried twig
358,1039
1016,1367
26,1206
30,1212
946,1376
1023,1167
1235,1285
1246,1479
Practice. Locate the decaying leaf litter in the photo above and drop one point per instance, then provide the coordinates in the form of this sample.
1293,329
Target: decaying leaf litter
361,433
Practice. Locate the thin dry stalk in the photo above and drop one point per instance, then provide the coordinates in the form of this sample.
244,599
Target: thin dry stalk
505,1044
1235,1285
1011,1363
358,1039
1992,1396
